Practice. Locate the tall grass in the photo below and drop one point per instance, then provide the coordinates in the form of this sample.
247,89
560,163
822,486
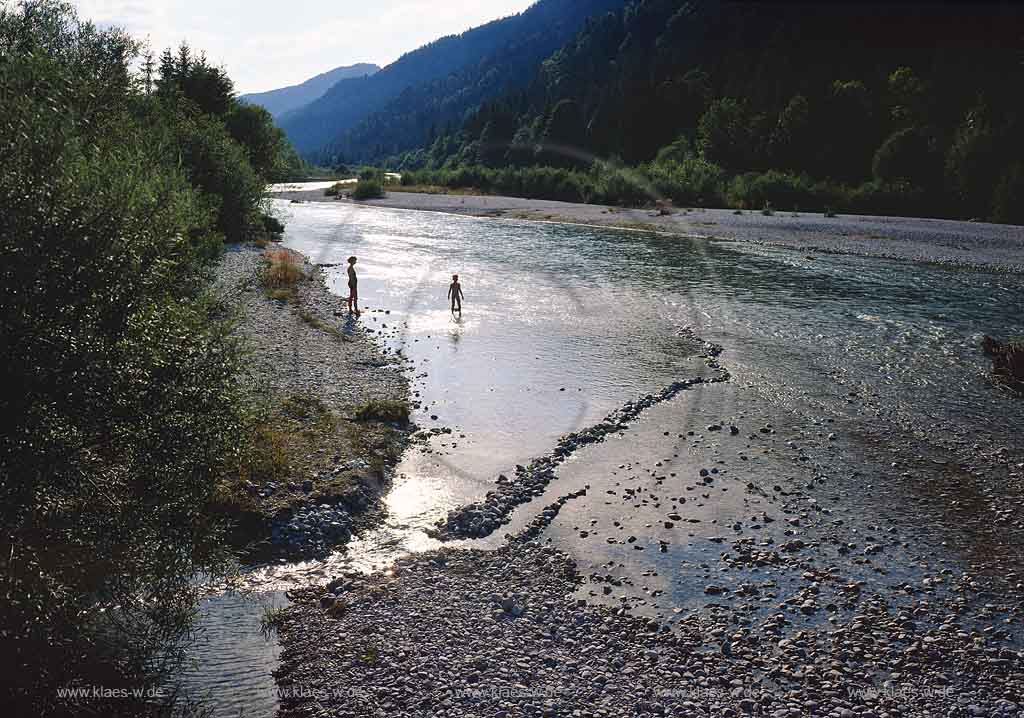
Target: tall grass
368,189
280,273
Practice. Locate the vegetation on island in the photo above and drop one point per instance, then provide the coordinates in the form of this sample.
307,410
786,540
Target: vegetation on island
880,108
121,178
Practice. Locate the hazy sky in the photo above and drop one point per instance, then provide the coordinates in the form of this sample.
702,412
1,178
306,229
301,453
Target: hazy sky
266,44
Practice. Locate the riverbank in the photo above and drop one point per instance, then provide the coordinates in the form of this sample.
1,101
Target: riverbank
502,634
804,595
818,532
327,438
978,245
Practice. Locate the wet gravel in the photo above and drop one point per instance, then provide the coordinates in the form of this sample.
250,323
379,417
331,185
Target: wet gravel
480,519
470,633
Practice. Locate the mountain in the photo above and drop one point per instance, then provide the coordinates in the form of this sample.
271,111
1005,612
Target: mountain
899,106
408,120
286,99
324,121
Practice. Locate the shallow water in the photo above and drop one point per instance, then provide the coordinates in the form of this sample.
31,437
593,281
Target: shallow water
563,324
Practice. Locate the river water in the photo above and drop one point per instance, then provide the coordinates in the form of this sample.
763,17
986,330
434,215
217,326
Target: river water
563,324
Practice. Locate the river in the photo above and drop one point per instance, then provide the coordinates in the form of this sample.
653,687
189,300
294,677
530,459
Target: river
563,324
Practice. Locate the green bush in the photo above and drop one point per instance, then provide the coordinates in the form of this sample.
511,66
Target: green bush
368,189
272,224
220,167
121,385
780,189
889,198
690,181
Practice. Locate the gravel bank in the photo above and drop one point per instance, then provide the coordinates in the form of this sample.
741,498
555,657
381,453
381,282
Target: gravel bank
796,615
967,244
309,347
468,633
291,355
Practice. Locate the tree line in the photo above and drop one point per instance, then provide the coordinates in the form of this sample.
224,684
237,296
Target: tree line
121,178
888,108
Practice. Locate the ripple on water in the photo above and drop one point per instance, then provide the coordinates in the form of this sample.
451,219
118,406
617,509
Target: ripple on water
563,324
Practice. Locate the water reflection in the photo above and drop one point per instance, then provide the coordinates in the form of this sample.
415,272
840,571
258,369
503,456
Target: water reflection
565,324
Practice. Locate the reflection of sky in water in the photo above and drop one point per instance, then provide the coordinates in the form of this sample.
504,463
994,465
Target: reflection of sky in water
562,324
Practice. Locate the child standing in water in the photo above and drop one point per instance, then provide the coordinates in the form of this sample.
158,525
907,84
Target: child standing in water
455,294
353,281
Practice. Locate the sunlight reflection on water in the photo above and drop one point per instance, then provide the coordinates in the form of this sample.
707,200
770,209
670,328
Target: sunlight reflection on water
563,324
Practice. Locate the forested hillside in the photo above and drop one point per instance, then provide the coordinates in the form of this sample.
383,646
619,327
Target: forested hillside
909,108
415,116
521,39
285,99
123,399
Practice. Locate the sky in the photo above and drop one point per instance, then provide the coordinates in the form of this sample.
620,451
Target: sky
266,44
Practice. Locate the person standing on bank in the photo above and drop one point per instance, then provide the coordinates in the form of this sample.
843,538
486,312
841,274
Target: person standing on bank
353,292
455,294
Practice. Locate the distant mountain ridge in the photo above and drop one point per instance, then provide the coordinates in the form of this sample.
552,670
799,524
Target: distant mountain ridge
325,121
410,119
283,100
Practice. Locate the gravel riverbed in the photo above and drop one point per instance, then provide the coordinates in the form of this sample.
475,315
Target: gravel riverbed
309,346
980,245
470,633
813,605
703,551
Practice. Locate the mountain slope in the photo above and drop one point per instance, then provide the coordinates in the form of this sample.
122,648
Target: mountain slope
286,99
894,107
407,121
350,101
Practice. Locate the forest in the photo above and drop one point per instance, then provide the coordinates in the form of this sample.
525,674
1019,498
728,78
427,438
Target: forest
123,176
907,109
391,110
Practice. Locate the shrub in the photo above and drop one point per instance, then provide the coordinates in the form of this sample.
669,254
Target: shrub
120,385
368,189
272,225
272,620
383,410
890,198
280,271
692,180
780,189
220,167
